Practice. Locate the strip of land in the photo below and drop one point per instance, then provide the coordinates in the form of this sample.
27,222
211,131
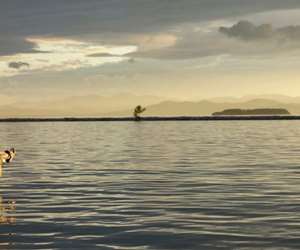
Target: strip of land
155,118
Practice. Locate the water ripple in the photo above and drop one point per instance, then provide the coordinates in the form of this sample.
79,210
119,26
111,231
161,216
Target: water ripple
159,185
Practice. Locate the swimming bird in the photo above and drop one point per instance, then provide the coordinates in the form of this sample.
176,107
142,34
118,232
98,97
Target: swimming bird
7,156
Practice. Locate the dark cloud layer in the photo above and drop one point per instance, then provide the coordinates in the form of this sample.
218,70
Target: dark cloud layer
18,65
290,32
79,18
246,30
102,55
12,44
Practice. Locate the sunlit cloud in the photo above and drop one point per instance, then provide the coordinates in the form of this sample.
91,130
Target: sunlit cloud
59,54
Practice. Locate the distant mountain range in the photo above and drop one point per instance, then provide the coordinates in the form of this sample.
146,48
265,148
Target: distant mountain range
123,105
174,108
278,98
92,105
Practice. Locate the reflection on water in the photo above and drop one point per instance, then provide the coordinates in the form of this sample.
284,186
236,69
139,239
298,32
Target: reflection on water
7,207
7,219
152,185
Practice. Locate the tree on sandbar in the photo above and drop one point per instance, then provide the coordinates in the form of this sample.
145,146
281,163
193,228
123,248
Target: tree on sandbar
137,111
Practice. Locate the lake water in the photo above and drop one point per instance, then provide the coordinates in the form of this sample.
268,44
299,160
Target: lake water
151,185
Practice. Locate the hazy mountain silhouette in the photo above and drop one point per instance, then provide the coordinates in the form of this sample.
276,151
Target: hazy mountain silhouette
172,108
277,98
123,105
92,105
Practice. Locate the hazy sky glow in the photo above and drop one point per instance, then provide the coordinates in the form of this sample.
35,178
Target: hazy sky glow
189,49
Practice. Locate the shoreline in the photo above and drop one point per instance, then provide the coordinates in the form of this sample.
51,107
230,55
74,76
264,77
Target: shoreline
155,118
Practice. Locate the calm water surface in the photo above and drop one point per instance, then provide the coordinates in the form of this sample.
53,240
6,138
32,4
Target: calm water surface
151,185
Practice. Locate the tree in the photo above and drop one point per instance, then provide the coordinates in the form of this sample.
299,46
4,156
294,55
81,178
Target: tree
137,111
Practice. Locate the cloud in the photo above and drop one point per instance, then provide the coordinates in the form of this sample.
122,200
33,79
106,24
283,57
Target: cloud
190,43
290,32
18,65
14,44
101,55
248,31
106,20
131,60
62,55
155,28
226,37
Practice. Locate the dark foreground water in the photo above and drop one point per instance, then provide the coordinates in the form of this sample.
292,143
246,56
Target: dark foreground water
151,185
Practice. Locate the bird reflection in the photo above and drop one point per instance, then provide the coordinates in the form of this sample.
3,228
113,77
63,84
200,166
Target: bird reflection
6,208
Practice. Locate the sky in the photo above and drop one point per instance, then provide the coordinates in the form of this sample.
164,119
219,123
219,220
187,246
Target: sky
174,49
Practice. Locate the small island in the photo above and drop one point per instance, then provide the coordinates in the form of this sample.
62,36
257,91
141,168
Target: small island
252,112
